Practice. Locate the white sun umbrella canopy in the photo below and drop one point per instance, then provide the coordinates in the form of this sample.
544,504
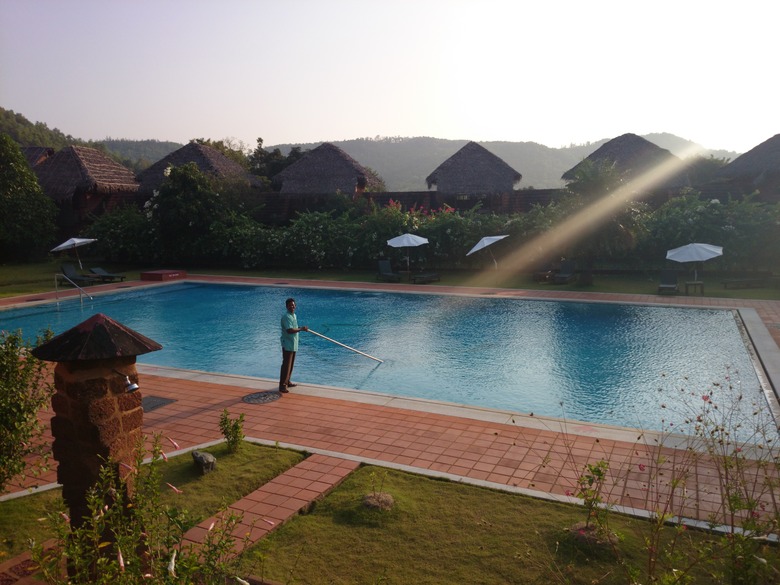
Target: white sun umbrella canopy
407,241
484,243
694,253
72,244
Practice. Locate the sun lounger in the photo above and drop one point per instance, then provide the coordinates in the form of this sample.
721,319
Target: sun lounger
668,282
386,273
755,280
75,277
106,276
566,274
424,277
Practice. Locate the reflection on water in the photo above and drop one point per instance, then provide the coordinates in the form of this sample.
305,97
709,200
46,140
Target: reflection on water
597,362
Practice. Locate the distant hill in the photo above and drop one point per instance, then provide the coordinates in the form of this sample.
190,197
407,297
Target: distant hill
404,163
135,154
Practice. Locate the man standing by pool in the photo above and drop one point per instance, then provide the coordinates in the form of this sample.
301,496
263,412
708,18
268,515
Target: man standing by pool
289,338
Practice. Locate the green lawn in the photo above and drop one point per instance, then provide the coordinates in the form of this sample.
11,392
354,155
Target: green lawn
20,279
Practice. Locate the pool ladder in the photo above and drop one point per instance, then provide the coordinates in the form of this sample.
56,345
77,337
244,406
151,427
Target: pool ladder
82,292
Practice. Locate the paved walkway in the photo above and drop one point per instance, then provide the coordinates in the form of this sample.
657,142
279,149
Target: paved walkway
538,456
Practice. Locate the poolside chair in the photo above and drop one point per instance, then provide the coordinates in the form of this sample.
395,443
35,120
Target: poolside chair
544,273
668,282
75,277
566,274
386,273
107,276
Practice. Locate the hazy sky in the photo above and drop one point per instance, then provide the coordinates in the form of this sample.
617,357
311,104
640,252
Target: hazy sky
550,71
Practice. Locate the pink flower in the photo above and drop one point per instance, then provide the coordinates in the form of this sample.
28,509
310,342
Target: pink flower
705,397
120,559
569,493
174,443
642,467
174,488
164,456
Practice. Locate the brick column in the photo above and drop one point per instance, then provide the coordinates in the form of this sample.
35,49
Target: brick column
95,420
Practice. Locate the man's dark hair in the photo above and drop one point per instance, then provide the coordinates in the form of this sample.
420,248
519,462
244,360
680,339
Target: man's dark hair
288,301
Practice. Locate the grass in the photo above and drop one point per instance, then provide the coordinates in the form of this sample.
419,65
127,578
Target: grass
20,279
236,475
445,532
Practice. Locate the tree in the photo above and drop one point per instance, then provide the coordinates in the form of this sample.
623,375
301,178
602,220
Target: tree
269,164
27,215
24,390
184,214
609,219
231,148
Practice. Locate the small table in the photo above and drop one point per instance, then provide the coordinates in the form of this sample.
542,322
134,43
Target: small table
694,285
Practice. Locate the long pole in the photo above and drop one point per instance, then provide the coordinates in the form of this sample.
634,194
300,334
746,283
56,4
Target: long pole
344,346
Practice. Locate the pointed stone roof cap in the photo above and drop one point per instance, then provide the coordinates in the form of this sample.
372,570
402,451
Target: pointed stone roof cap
97,338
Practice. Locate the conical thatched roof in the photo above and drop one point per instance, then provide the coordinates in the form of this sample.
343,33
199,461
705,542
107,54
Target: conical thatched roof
80,169
473,169
631,154
325,169
209,160
97,338
761,160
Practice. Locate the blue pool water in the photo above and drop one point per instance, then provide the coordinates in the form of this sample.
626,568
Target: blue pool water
607,363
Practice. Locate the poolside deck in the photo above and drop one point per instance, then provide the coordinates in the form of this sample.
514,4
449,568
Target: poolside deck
542,457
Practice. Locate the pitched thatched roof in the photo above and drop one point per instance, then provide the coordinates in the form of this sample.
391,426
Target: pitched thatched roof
762,160
35,155
80,169
632,155
473,169
97,338
209,160
325,169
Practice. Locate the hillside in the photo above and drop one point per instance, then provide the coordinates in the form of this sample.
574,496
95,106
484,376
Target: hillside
404,163
135,154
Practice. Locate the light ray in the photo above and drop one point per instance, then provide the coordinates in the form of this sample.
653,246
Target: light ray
569,231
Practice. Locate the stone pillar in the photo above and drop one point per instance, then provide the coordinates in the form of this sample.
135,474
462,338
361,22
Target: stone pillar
95,420
97,415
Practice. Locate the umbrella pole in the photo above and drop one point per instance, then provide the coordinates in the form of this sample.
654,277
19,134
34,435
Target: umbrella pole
495,264
344,346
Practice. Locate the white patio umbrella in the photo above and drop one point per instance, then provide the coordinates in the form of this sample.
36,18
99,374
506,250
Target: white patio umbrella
73,244
694,253
484,243
407,241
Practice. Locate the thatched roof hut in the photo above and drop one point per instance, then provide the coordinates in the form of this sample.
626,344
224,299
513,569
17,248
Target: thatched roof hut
756,170
81,170
209,160
631,154
473,169
326,169
84,182
78,170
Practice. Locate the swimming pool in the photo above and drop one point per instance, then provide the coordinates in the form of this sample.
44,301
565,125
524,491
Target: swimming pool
598,362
